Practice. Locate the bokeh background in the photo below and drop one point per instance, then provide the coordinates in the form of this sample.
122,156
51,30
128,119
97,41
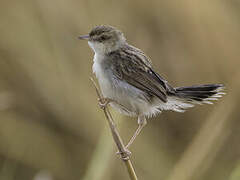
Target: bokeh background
51,127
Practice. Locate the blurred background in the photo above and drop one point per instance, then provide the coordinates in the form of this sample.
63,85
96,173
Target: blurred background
51,127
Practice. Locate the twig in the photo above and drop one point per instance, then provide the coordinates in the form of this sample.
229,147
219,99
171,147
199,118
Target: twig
117,138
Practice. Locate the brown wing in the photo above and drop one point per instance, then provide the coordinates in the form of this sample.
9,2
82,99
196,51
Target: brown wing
131,68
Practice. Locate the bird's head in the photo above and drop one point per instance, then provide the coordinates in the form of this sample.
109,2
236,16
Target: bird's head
104,39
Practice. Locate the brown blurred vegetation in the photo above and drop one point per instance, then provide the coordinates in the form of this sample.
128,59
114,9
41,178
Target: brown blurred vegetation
50,125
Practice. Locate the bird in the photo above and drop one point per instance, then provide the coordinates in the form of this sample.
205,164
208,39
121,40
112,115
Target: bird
130,84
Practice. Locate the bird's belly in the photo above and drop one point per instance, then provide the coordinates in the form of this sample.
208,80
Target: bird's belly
132,100
129,100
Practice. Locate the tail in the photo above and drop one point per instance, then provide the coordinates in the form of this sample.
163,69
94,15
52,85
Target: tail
186,97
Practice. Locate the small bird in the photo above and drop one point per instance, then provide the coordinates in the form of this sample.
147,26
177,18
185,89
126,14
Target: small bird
130,84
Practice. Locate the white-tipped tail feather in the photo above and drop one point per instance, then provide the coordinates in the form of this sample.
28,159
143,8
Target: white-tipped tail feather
187,97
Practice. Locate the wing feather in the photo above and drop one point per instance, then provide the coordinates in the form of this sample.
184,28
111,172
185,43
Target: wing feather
130,68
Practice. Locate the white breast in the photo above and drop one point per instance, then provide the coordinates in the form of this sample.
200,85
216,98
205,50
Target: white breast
103,76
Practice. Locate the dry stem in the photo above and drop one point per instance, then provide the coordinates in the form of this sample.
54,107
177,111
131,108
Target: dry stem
117,138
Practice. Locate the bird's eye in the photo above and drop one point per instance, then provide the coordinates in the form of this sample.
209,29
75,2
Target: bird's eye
104,37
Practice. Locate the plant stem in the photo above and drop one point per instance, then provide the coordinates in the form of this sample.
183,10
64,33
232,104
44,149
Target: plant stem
117,138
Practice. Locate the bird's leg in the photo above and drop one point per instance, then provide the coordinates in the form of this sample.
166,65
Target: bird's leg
141,123
103,103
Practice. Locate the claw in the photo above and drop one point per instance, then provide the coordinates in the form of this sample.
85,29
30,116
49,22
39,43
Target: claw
103,102
125,154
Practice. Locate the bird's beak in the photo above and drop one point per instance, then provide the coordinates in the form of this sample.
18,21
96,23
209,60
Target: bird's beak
84,37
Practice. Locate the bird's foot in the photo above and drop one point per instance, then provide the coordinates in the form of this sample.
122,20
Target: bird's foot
125,154
103,102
